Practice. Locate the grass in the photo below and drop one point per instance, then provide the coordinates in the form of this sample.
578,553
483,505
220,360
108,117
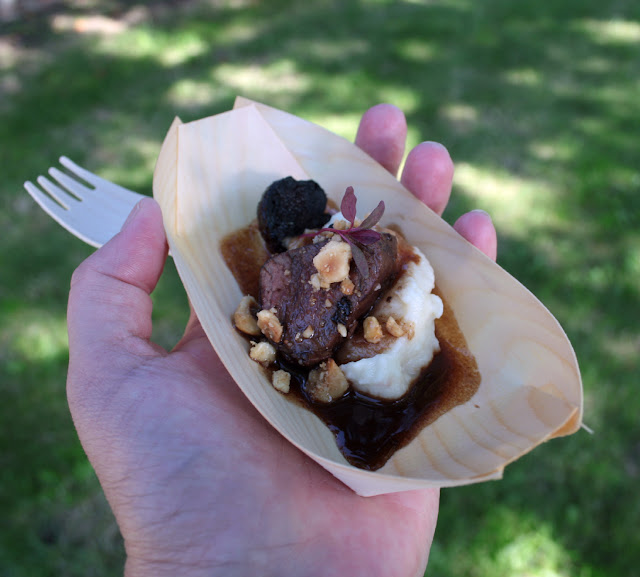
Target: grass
538,104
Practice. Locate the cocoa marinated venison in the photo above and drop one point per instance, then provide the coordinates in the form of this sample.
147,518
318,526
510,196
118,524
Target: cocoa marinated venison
315,320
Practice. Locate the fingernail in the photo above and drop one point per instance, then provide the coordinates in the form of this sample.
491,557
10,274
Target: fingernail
480,211
132,215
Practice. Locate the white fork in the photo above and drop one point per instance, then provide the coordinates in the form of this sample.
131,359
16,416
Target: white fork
93,213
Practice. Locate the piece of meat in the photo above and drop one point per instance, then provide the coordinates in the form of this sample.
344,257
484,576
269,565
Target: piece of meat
316,321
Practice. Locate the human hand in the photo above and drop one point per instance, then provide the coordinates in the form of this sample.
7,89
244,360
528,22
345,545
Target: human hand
199,483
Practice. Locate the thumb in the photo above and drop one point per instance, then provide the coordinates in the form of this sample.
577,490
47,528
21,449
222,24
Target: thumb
109,311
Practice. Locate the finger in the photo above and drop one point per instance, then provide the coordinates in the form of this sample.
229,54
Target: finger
477,227
109,303
382,135
428,174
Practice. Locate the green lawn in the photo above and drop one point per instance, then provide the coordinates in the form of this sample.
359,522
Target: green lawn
539,104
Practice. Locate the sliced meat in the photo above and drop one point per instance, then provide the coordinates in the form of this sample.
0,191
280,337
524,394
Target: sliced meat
313,319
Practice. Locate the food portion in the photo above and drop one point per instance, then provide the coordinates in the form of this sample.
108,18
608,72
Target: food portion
340,311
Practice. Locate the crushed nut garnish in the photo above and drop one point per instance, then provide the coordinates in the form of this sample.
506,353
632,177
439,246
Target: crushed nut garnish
372,330
409,329
281,381
262,352
341,225
342,329
327,303
314,281
347,286
308,332
377,287
243,319
270,325
327,382
333,261
393,328
298,338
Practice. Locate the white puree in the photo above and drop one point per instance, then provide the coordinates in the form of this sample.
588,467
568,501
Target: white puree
389,374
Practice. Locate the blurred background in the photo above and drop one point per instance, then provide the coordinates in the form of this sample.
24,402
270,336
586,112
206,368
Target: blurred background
539,105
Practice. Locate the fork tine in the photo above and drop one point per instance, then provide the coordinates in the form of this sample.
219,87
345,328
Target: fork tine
58,213
73,186
101,185
83,173
51,207
63,198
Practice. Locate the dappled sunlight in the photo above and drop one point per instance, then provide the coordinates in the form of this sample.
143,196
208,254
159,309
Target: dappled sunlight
612,31
152,44
35,335
346,125
553,150
516,204
417,49
191,93
462,118
524,77
625,348
508,542
534,554
272,80
93,24
327,51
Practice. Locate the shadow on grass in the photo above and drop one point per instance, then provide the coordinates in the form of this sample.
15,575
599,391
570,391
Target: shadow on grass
541,94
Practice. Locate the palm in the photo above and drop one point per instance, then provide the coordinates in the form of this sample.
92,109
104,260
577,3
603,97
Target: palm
196,478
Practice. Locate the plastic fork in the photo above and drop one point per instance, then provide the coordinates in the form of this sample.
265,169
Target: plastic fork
93,213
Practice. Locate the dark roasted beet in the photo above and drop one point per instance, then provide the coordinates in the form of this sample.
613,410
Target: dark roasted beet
284,285
288,207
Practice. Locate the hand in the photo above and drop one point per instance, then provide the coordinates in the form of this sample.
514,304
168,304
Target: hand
199,483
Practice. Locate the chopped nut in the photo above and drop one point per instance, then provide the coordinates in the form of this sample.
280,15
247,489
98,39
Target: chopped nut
347,286
377,287
409,329
327,382
341,225
298,338
327,303
314,281
372,330
270,325
281,381
342,329
287,272
393,328
333,261
308,332
322,236
243,319
262,352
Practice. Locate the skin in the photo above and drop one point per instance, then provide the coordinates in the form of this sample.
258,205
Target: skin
199,483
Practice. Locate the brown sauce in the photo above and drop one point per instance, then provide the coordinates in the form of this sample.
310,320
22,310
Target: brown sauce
368,430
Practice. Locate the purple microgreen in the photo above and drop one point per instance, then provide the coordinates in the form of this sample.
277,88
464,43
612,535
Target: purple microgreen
348,205
374,217
364,236
360,260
